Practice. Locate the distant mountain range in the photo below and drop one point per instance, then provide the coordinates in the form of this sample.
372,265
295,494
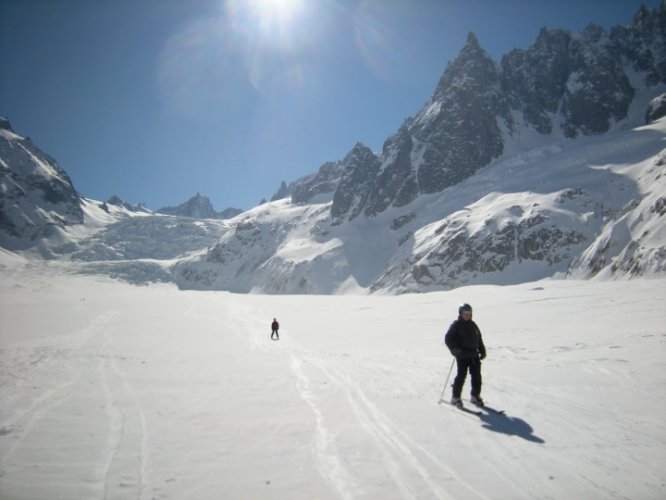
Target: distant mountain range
200,207
548,163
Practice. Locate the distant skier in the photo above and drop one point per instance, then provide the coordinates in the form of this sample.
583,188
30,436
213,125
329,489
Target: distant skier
275,326
465,342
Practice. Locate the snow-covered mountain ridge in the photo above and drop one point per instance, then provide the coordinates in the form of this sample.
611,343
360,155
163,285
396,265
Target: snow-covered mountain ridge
199,207
570,84
590,207
506,175
38,198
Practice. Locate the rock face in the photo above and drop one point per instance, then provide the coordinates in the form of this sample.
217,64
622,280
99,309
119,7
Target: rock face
119,202
643,43
458,131
356,184
457,254
199,207
656,109
37,195
581,77
569,84
324,181
282,193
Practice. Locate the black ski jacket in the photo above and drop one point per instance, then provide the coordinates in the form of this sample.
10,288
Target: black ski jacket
464,340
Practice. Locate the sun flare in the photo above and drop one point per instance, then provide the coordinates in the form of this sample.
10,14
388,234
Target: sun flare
274,37
280,10
273,22
268,15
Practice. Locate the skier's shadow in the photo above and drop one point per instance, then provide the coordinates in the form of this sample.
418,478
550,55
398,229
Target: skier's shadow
512,426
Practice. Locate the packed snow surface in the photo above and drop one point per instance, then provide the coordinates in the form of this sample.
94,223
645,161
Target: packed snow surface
108,390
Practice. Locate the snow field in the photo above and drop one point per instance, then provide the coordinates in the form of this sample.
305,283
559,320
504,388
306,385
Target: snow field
113,391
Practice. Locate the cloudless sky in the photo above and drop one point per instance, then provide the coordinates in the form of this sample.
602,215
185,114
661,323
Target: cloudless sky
156,100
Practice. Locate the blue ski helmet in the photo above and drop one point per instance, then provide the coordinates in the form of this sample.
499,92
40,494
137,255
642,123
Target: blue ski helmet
464,307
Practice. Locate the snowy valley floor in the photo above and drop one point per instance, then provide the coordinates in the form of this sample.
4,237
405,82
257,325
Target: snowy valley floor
108,390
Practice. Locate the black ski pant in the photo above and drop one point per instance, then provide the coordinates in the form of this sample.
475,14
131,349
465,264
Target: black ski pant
474,367
275,332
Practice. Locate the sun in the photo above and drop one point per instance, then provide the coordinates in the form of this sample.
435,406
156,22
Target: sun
265,17
282,11
274,25
274,37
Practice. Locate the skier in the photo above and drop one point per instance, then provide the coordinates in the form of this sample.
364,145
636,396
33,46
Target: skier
275,326
465,342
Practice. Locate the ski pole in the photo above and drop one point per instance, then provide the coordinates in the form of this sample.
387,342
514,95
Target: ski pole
447,380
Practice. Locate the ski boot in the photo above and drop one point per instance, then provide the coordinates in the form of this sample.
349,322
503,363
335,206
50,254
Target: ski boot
476,400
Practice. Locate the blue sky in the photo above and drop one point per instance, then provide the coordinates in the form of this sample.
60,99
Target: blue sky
156,100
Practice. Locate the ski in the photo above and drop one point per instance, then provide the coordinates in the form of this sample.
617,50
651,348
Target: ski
490,409
464,409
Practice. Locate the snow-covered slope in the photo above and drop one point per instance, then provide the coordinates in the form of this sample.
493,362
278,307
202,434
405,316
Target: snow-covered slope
114,391
139,249
586,207
42,216
38,199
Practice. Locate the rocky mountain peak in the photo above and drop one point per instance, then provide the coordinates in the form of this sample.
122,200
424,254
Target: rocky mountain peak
4,124
37,195
644,17
324,182
472,68
359,153
576,82
643,43
593,33
457,131
119,202
472,47
199,207
356,184
282,192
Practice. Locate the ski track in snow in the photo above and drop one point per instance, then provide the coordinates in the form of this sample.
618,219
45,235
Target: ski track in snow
49,353
239,319
85,375
407,463
129,465
399,453
331,467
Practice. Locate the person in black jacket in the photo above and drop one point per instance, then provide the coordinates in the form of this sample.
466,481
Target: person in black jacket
275,326
465,342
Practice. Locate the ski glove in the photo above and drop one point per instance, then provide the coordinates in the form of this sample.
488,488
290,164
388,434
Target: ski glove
482,355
